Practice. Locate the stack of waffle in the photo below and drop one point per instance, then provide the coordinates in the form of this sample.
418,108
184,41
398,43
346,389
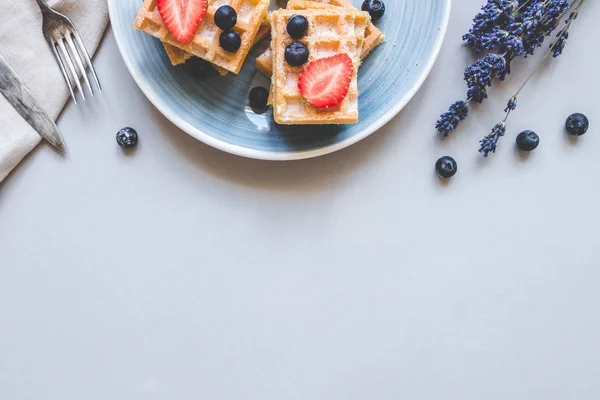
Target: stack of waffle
373,36
178,56
250,16
335,27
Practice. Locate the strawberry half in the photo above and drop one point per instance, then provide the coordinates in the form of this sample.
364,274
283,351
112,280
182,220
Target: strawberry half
182,17
325,82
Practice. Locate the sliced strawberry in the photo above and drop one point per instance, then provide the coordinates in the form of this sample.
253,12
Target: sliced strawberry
325,82
182,17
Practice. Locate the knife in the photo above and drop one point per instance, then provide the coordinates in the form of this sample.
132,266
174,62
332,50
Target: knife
23,101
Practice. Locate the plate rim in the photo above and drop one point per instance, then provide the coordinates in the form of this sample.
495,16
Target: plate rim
285,155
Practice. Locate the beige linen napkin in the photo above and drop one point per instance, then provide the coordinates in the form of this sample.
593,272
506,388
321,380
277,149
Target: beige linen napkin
23,46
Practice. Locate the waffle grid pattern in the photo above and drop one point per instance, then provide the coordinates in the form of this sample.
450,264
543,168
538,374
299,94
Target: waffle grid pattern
331,31
178,56
373,36
206,41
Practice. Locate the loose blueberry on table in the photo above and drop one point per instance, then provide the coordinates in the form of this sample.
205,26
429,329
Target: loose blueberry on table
127,137
296,54
376,8
577,124
258,99
230,41
527,140
446,167
225,17
297,26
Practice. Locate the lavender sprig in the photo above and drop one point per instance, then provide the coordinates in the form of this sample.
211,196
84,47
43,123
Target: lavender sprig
449,120
514,30
545,24
563,35
507,27
491,36
480,75
493,14
511,105
490,142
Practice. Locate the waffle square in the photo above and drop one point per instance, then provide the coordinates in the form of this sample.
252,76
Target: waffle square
331,31
206,42
178,56
264,62
373,36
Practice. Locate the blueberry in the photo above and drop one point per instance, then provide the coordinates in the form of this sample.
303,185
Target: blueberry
296,54
527,140
199,68
577,124
446,167
127,137
297,26
374,7
230,41
258,99
225,17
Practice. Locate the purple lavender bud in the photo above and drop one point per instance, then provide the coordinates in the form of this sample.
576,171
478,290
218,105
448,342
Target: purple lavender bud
490,142
559,45
512,104
449,120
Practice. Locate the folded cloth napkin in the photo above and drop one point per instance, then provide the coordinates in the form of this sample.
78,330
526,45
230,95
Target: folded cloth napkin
23,45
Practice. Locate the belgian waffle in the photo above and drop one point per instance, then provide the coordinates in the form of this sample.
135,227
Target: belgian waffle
373,36
264,62
206,42
178,56
331,31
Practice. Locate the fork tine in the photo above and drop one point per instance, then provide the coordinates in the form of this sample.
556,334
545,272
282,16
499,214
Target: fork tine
77,58
62,69
86,56
65,53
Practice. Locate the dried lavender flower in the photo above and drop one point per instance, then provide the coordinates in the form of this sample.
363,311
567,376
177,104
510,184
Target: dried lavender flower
560,44
563,35
449,120
493,14
508,29
512,104
480,74
546,21
490,142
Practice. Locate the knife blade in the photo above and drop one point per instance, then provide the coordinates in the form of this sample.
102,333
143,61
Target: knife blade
23,101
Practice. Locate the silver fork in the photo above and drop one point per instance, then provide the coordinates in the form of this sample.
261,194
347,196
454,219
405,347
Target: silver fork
68,49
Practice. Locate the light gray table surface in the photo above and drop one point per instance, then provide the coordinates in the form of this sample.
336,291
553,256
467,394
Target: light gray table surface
181,272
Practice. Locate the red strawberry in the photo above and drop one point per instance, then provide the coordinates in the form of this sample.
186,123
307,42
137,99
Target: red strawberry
182,17
325,82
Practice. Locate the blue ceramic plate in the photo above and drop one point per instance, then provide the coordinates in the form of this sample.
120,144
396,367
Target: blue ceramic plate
214,109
